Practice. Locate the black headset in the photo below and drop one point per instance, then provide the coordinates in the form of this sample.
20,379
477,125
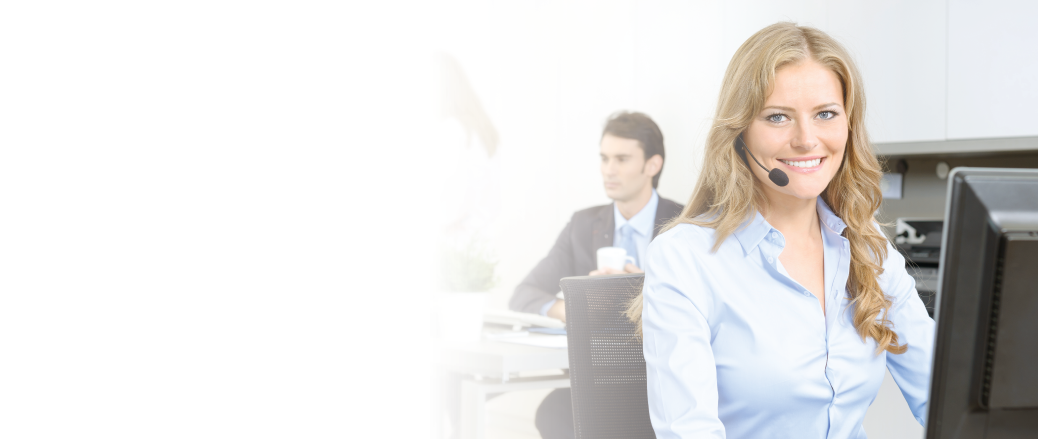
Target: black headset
776,175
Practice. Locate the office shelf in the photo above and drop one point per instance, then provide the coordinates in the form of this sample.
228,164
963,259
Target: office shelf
957,147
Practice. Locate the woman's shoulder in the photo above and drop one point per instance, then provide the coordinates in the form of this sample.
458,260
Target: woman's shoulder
686,231
679,258
685,237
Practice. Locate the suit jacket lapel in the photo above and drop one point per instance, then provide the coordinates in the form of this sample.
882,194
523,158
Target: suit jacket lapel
602,229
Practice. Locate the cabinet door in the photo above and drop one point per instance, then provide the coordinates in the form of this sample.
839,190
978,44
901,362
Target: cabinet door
899,47
992,69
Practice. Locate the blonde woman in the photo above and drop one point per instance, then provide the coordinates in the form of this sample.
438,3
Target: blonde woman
772,306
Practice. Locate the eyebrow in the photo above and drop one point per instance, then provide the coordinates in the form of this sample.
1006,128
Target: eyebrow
819,107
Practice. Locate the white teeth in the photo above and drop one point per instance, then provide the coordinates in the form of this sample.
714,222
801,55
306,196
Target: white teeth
803,164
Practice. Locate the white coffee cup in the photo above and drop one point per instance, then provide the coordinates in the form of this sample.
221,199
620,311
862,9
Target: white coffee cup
613,257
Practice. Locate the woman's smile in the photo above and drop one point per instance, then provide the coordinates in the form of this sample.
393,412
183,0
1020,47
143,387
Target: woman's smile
804,165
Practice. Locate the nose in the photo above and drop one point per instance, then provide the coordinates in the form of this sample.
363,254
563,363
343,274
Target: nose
804,137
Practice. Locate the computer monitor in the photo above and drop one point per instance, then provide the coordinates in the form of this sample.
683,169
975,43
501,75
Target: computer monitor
985,368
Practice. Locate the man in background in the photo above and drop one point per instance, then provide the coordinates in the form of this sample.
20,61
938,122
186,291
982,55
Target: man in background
632,156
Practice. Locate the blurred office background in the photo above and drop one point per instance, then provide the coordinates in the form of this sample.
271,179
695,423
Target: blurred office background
947,82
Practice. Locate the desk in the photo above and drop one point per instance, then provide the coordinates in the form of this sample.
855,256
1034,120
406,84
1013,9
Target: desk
492,366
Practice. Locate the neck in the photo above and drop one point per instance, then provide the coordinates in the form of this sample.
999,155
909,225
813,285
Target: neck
793,216
631,207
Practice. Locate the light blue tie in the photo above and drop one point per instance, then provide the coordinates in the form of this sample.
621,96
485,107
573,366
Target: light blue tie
627,242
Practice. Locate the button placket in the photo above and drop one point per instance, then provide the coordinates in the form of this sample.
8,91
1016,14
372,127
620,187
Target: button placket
776,247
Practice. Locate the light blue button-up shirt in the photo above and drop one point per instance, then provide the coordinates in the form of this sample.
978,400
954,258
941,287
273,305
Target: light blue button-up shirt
735,348
642,223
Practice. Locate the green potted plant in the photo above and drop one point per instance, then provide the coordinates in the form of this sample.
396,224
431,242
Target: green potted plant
467,275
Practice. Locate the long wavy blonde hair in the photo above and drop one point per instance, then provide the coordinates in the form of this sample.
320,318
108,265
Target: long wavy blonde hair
727,194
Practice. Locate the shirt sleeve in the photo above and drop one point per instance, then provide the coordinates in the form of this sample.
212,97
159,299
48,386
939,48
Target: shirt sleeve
680,370
546,307
910,370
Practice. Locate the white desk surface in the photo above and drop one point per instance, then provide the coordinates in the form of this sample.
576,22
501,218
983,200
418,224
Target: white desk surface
495,358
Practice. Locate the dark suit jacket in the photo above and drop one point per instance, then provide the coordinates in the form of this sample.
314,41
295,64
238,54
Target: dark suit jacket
574,253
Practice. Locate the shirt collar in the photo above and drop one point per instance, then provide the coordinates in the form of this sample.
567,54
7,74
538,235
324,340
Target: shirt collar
826,215
753,231
643,221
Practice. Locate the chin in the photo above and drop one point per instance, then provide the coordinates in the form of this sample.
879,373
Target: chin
808,195
804,192
806,189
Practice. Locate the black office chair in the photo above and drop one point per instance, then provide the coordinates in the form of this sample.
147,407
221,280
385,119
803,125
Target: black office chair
606,364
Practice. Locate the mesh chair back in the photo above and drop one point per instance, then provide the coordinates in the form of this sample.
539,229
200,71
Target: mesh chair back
606,363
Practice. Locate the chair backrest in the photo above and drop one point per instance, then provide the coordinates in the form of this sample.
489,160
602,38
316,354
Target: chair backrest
606,363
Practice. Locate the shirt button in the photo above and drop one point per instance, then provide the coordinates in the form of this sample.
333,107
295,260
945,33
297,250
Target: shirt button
770,259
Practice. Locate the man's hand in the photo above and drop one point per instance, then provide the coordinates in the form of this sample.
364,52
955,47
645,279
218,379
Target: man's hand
558,310
629,268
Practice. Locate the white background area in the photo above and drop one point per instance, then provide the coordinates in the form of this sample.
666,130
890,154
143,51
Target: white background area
205,221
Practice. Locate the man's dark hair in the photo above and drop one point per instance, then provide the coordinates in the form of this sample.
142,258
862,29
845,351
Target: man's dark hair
638,126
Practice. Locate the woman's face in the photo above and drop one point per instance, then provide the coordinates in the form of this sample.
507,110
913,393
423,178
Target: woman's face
802,131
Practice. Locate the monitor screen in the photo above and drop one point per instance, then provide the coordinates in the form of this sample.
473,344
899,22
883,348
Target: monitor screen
985,369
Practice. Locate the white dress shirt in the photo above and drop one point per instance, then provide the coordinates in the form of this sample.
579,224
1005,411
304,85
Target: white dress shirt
734,347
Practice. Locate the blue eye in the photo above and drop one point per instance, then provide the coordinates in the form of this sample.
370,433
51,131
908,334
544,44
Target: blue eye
776,118
826,115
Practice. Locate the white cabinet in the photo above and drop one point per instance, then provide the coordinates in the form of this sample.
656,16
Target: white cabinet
900,48
940,70
992,69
